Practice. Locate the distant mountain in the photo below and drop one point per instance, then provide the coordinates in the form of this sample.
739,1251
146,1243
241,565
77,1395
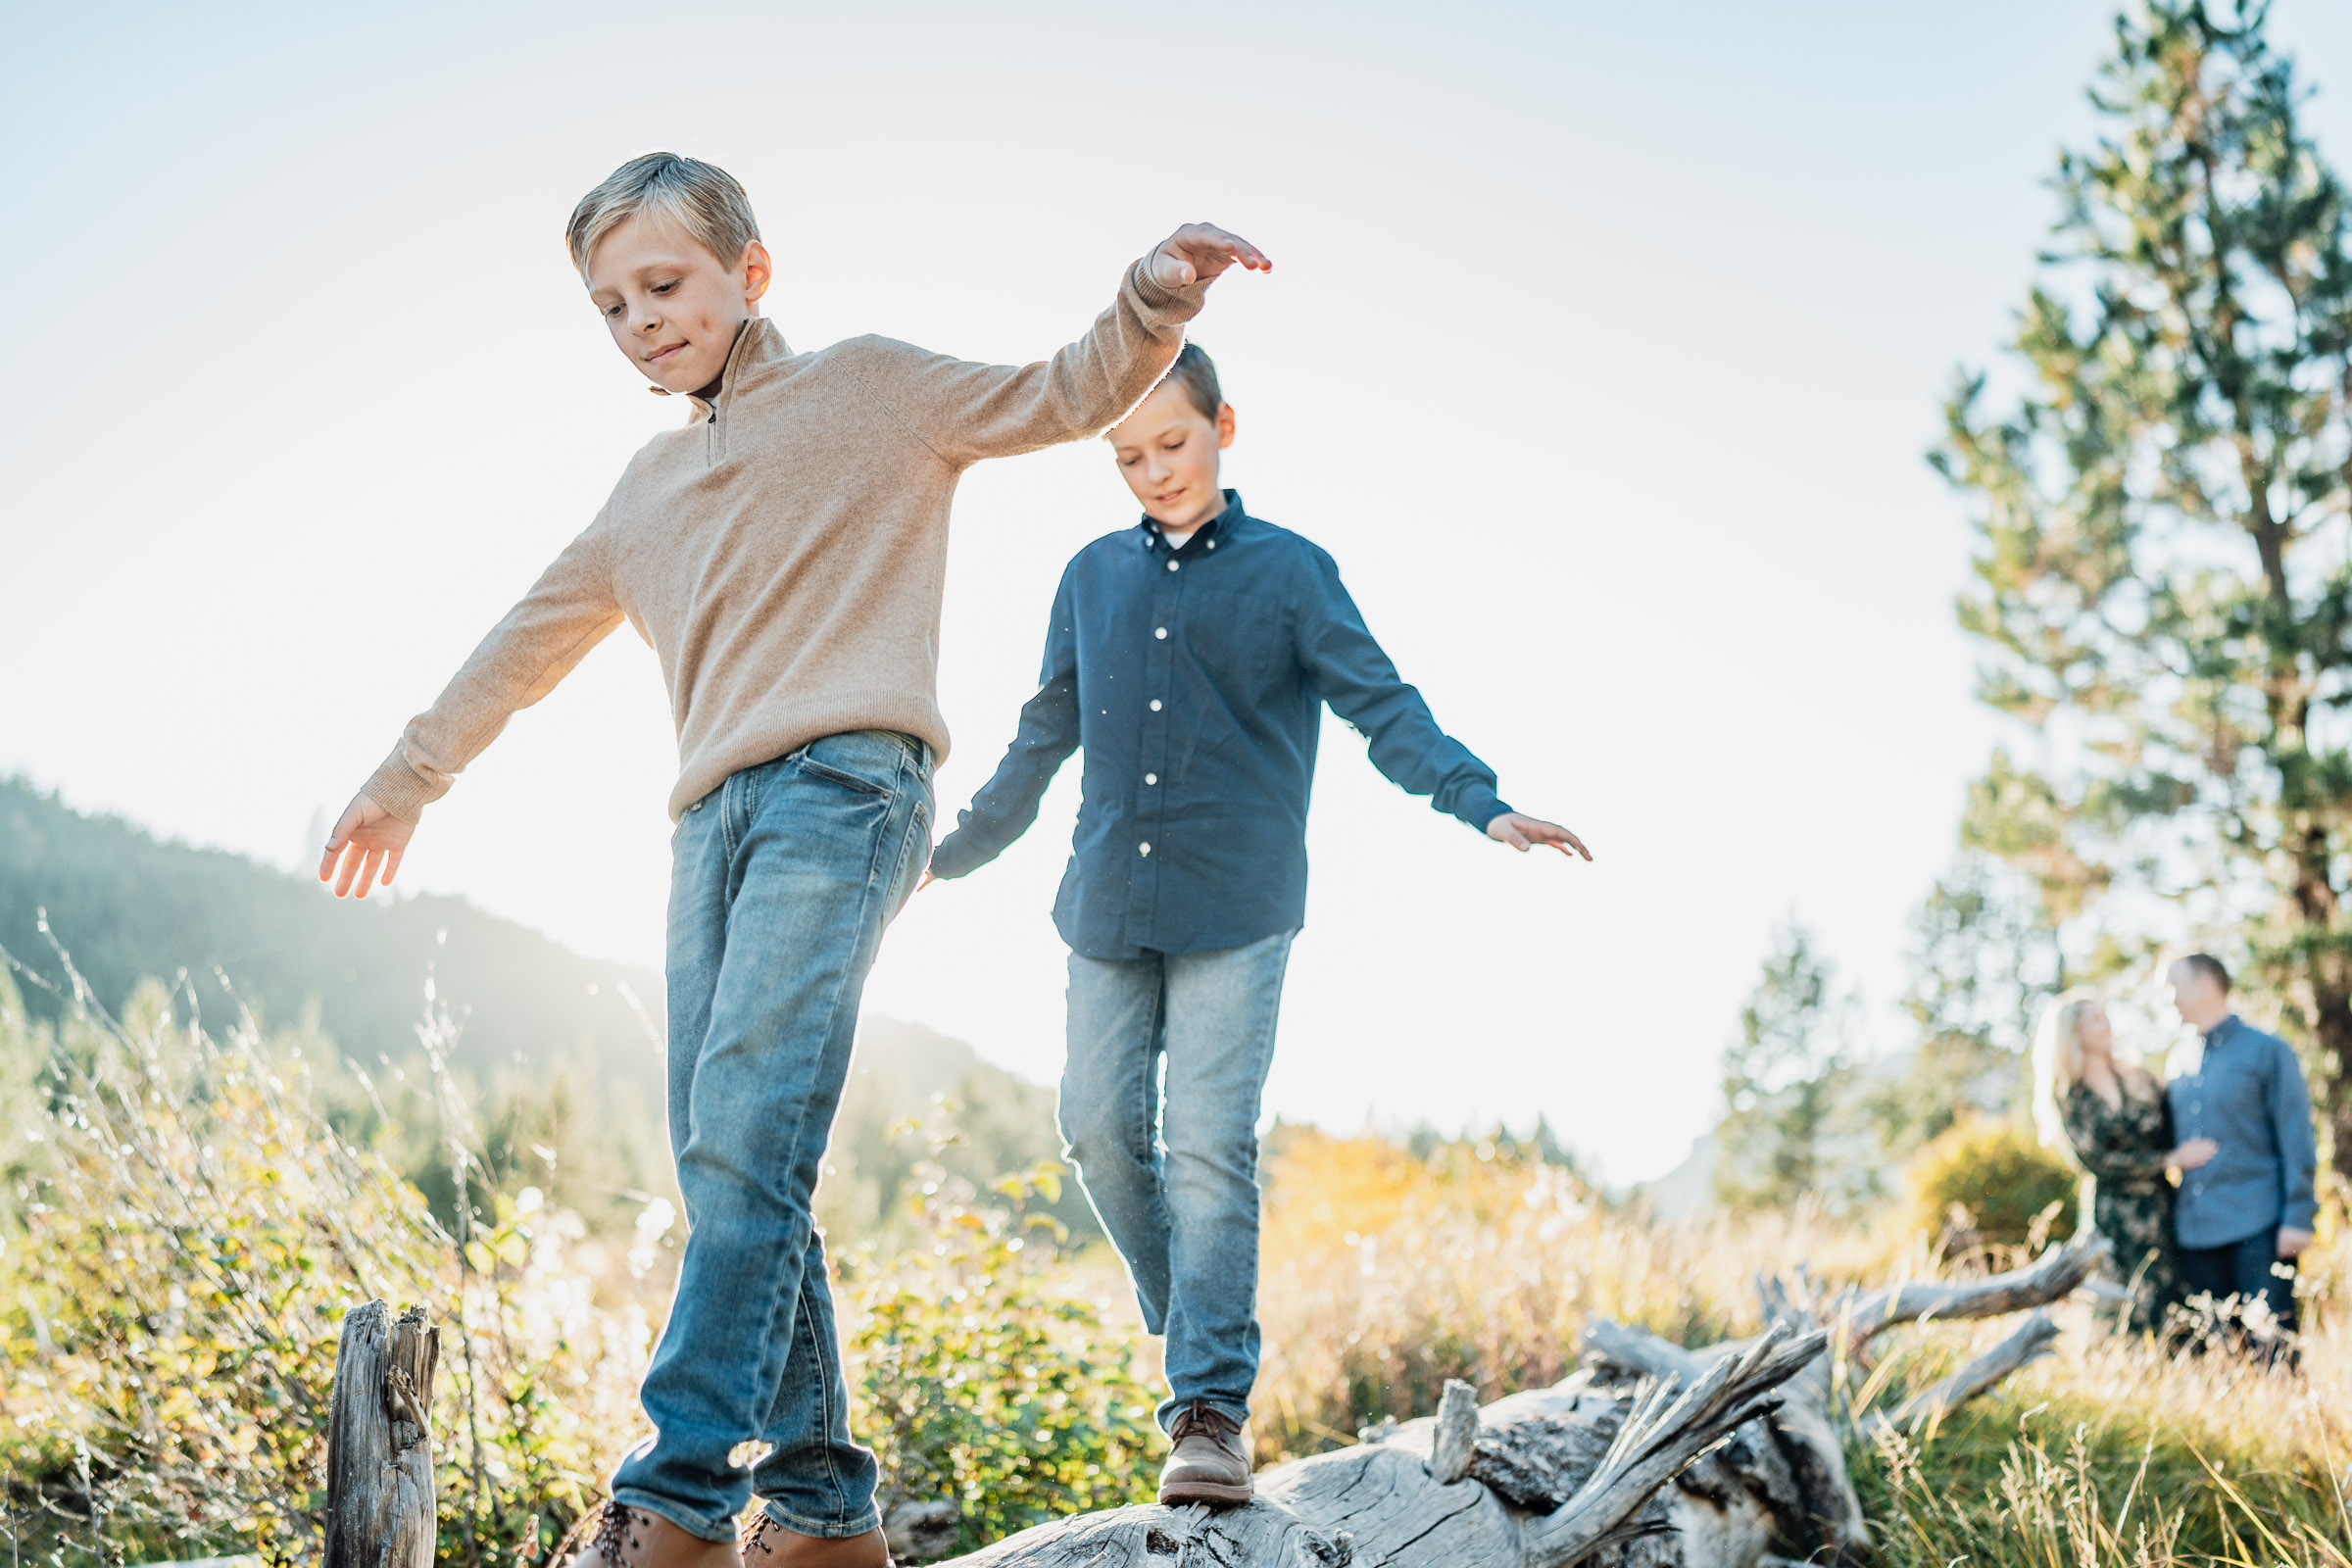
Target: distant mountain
1686,1189
125,904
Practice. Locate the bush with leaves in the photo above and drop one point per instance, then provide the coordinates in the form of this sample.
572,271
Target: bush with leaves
1988,1178
191,1233
982,1380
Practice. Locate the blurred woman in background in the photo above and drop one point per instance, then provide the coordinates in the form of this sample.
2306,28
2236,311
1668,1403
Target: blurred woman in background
2110,1117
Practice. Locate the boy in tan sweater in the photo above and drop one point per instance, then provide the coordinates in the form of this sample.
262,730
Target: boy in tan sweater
783,552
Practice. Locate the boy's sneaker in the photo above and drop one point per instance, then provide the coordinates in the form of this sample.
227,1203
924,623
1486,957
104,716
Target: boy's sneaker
768,1545
1211,1462
632,1537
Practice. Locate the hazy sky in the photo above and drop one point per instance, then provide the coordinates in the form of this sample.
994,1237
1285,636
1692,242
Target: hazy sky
1602,350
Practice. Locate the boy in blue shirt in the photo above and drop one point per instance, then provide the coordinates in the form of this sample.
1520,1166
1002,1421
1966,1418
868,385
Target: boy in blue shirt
1191,657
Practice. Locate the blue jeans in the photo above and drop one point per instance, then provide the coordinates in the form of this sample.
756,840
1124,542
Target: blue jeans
1172,1170
2244,1268
782,879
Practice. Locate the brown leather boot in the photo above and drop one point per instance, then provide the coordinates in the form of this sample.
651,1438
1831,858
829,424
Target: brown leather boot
632,1537
768,1545
1211,1462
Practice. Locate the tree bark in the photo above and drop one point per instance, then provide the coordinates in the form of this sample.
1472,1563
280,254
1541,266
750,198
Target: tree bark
379,1452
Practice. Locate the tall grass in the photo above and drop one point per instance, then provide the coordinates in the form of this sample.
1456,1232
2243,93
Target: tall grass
1386,1274
187,1223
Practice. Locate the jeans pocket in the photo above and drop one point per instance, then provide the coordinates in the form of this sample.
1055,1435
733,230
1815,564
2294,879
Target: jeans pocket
847,781
858,760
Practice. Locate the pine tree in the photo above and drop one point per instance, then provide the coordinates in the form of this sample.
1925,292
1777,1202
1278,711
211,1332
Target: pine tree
1784,1081
2163,581
1983,960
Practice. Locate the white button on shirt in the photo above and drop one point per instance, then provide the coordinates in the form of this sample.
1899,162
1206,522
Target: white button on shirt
1160,633
1143,849
1173,565
1150,778
1155,704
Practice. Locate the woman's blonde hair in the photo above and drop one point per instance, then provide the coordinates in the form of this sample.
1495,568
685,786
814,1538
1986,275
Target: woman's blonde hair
702,200
2058,1063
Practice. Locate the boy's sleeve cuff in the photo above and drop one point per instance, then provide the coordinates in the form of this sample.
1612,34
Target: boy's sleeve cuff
396,787
1162,305
1481,808
951,857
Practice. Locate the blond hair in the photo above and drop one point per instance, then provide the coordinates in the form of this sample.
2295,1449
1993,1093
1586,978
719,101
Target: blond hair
702,200
2058,1064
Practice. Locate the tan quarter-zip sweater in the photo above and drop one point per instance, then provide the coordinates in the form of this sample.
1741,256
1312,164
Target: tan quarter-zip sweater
784,553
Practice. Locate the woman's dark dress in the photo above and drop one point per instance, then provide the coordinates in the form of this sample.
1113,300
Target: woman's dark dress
2121,1150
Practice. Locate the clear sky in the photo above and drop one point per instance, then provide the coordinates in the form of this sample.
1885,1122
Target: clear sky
1602,350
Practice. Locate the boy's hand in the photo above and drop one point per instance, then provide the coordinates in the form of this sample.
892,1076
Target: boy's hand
366,838
1198,252
2292,1242
1524,833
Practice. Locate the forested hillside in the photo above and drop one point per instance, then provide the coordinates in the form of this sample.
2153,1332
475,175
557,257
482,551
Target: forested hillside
553,1049
126,905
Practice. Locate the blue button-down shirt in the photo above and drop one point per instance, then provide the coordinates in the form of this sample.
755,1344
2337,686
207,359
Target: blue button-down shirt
1194,680
2248,1095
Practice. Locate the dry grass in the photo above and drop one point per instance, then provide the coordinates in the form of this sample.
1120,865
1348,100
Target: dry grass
1384,1275
187,1233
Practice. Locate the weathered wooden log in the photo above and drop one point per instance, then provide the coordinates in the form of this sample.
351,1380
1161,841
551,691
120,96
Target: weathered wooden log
1564,1475
1794,1491
1655,1455
2031,1342
379,1450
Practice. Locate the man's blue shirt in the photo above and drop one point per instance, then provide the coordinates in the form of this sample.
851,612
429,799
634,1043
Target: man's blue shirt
2248,1095
1195,679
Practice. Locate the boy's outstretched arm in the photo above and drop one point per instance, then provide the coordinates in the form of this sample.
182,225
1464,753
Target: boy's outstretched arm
1007,803
965,412
567,612
1353,675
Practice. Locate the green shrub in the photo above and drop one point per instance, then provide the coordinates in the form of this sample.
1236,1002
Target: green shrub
185,1228
981,1380
2012,1190
192,1231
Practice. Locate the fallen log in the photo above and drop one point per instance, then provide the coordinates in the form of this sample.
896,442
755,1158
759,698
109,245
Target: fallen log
1539,1479
1653,1456
379,1450
1792,1495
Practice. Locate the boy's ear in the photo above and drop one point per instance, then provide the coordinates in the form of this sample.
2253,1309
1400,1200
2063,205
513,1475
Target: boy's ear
756,270
1224,426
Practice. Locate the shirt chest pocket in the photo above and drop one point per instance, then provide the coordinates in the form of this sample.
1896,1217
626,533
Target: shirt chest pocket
1242,638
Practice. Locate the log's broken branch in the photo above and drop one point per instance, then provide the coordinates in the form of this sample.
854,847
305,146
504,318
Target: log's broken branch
1455,1441
1930,1404
1659,1439
2054,1274
1640,1352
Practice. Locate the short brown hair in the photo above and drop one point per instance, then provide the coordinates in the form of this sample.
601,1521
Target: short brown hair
2205,963
1195,372
701,199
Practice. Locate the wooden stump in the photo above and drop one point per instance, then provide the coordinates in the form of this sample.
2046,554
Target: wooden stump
379,1449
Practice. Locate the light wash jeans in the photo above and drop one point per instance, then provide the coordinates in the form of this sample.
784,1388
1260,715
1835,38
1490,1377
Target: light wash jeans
1172,1170
782,880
